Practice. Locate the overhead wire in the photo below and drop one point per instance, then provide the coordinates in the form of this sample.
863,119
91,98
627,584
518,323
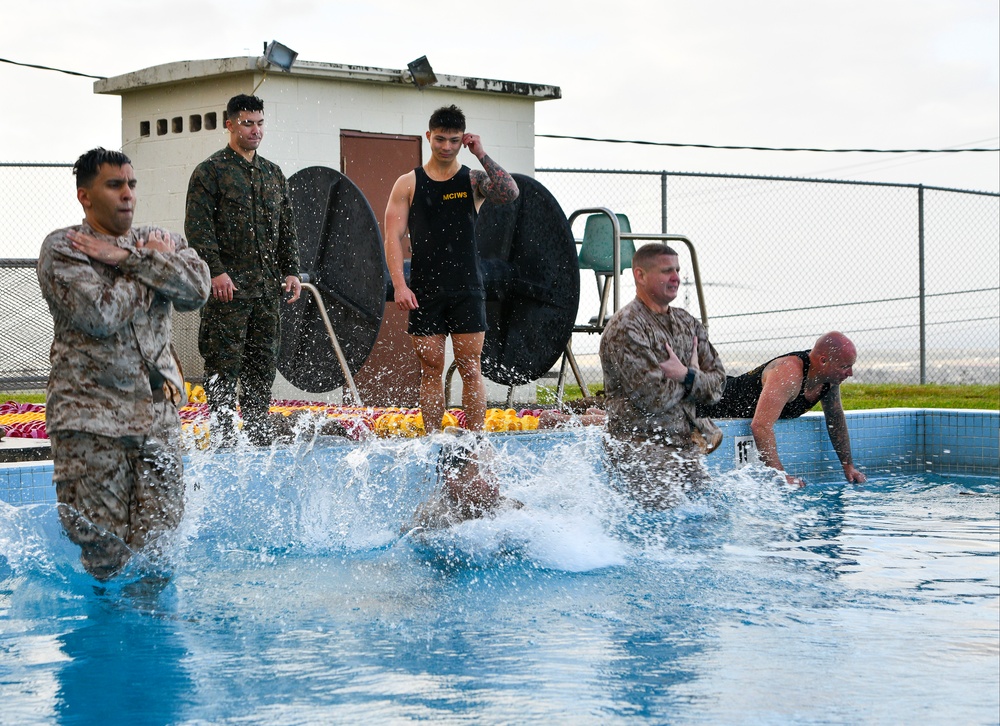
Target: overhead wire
762,148
49,68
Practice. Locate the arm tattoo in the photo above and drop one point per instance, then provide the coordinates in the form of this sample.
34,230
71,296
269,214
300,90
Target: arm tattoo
496,184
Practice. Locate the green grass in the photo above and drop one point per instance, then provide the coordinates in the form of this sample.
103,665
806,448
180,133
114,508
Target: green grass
547,394
854,396
22,396
891,395
869,395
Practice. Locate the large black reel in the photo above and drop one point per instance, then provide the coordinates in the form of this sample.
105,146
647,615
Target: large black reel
340,249
530,269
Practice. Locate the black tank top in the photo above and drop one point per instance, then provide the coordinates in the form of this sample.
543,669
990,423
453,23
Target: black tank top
442,222
739,400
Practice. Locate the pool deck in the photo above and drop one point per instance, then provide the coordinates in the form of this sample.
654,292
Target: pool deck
14,449
883,442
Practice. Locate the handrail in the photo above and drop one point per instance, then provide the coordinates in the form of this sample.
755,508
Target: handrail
646,237
333,339
616,252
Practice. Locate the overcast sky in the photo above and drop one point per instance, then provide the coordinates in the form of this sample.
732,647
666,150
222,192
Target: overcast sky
895,74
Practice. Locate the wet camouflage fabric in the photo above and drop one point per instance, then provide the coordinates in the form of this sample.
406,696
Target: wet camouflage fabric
651,418
239,219
239,342
654,473
118,495
640,400
112,328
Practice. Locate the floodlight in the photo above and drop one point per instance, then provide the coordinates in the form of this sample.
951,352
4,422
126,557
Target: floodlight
280,55
421,72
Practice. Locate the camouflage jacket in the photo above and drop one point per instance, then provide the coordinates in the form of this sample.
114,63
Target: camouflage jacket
640,399
239,219
111,330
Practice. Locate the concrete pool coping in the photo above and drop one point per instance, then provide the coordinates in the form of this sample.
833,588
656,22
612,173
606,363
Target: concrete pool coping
883,441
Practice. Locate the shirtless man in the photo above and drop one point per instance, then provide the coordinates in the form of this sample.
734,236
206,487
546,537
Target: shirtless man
787,387
437,205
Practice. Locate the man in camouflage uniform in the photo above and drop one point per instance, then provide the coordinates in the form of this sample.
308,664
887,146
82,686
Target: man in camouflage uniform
115,385
239,219
651,391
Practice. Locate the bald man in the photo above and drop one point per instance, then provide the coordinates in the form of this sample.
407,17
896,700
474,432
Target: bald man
787,387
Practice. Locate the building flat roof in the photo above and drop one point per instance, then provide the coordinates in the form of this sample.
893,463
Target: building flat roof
184,71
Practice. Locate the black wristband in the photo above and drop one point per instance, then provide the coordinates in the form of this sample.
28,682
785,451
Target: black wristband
689,379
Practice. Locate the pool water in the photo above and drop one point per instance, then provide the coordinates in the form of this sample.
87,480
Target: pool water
294,599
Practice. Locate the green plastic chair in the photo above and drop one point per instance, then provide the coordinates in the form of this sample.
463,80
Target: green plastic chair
598,245
597,254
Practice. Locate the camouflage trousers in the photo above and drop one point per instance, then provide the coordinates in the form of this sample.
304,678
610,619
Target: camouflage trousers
239,341
117,496
654,471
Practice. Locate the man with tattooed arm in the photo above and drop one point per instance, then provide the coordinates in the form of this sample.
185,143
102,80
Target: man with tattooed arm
437,204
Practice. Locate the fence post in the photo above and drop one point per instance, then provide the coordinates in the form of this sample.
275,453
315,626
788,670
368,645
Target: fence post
663,202
923,312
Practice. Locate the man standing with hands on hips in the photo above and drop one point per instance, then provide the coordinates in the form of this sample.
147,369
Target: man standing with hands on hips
437,204
239,219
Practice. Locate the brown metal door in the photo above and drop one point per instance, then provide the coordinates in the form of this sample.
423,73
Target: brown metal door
391,375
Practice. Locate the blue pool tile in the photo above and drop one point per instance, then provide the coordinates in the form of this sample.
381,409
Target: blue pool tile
885,441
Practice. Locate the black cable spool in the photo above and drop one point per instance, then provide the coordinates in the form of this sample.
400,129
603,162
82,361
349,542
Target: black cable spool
341,253
532,278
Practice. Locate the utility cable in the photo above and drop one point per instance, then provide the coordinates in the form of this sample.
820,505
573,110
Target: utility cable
627,141
47,68
761,148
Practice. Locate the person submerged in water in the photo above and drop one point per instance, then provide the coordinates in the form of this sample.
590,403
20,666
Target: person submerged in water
467,486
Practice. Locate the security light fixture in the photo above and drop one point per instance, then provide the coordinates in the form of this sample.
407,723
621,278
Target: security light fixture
275,54
421,72
280,55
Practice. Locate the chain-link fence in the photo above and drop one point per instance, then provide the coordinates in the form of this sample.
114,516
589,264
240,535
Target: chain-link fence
39,198
910,273
25,327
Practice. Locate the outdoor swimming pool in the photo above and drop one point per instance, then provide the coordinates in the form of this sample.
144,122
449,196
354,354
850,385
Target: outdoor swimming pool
294,600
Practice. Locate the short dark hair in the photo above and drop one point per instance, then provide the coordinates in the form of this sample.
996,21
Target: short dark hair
88,166
647,253
447,117
243,102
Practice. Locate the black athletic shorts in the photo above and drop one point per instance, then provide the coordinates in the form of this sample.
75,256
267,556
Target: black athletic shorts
441,314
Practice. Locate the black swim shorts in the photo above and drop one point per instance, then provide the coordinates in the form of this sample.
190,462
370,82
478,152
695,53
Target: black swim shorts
463,312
